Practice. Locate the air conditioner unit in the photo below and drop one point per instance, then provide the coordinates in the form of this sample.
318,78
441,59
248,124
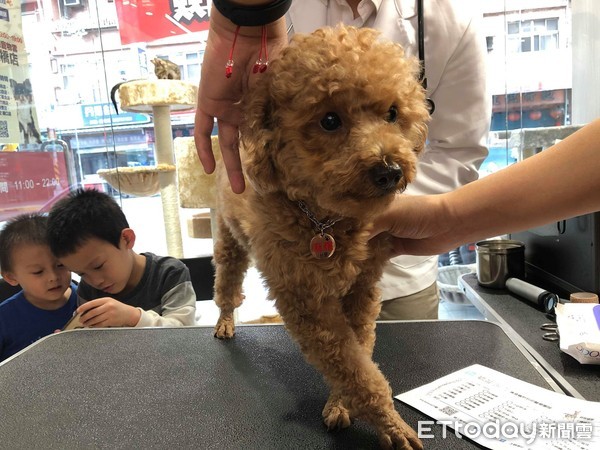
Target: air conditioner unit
71,2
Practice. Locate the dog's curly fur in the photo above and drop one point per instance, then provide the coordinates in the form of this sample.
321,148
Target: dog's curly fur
295,149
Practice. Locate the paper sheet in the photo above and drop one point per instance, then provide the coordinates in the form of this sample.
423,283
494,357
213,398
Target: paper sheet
500,412
579,326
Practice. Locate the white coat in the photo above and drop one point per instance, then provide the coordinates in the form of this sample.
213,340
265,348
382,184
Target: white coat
455,67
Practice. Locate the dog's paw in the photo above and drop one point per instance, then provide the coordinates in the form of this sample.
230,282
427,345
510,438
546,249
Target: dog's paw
335,415
225,328
400,437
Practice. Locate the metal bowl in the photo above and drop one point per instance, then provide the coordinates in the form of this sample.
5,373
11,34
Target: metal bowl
498,260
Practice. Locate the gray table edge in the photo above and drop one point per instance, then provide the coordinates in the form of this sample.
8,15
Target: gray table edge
551,376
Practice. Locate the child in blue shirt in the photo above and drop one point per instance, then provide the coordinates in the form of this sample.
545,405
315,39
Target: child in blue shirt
47,300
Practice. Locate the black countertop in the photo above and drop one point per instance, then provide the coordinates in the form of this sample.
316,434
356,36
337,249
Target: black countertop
182,388
525,319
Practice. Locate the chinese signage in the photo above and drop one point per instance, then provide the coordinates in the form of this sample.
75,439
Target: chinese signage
97,140
148,20
18,118
31,181
99,114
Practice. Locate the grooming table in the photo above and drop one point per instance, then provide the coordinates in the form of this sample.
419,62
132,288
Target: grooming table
182,388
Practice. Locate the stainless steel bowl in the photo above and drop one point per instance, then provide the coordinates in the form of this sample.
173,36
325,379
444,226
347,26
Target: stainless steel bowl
498,260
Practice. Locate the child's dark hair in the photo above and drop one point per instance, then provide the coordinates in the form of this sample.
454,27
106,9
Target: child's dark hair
22,229
84,214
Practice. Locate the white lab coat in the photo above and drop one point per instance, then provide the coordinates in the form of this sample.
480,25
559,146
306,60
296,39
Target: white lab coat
455,58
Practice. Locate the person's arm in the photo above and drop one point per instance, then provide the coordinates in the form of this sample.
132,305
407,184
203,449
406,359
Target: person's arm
108,312
560,182
103,311
2,343
219,96
178,308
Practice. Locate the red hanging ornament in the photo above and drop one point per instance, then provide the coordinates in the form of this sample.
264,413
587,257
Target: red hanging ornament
556,113
514,116
260,65
229,64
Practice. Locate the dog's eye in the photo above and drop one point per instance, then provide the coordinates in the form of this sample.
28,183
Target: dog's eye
331,121
392,115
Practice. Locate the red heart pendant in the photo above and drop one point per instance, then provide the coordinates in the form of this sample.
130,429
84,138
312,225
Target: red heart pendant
322,246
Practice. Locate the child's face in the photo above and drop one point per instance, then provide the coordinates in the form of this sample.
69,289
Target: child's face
103,266
43,278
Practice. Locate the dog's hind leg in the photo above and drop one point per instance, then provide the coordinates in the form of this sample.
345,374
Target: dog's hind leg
231,262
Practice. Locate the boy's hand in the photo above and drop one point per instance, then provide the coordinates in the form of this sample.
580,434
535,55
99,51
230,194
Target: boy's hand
108,312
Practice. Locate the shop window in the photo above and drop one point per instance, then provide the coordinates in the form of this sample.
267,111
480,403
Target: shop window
68,75
513,98
192,66
87,50
533,35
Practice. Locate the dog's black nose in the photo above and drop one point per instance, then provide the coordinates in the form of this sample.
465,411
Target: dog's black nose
386,177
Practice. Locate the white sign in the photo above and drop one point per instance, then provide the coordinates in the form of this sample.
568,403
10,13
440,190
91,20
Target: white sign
18,118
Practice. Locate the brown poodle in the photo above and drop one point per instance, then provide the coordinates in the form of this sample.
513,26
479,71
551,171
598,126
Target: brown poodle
332,132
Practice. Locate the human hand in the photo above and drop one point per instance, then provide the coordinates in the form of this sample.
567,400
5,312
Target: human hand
219,97
417,225
108,312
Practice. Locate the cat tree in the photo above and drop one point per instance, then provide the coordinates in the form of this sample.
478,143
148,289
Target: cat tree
159,98
197,189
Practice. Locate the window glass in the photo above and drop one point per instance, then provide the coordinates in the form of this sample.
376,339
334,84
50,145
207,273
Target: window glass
65,56
529,73
62,129
530,80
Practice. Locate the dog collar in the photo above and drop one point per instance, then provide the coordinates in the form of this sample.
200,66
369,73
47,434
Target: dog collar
322,245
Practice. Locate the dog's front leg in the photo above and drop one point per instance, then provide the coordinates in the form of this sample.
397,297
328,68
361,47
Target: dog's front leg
330,344
335,415
361,308
231,263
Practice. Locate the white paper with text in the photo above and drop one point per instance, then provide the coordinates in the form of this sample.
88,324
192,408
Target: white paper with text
500,412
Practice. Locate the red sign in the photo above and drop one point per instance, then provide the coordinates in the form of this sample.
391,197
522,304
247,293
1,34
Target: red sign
148,20
31,182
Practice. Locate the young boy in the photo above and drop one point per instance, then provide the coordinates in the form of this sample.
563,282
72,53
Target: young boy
47,299
90,235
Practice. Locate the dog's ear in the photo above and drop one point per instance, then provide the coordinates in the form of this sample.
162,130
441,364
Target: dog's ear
260,139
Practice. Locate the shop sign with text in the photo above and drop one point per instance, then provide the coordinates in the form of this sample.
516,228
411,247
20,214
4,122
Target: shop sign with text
147,20
100,114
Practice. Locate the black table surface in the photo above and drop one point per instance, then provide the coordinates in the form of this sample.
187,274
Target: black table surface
182,388
526,320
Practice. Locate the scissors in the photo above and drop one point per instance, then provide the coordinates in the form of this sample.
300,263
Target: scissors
552,331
